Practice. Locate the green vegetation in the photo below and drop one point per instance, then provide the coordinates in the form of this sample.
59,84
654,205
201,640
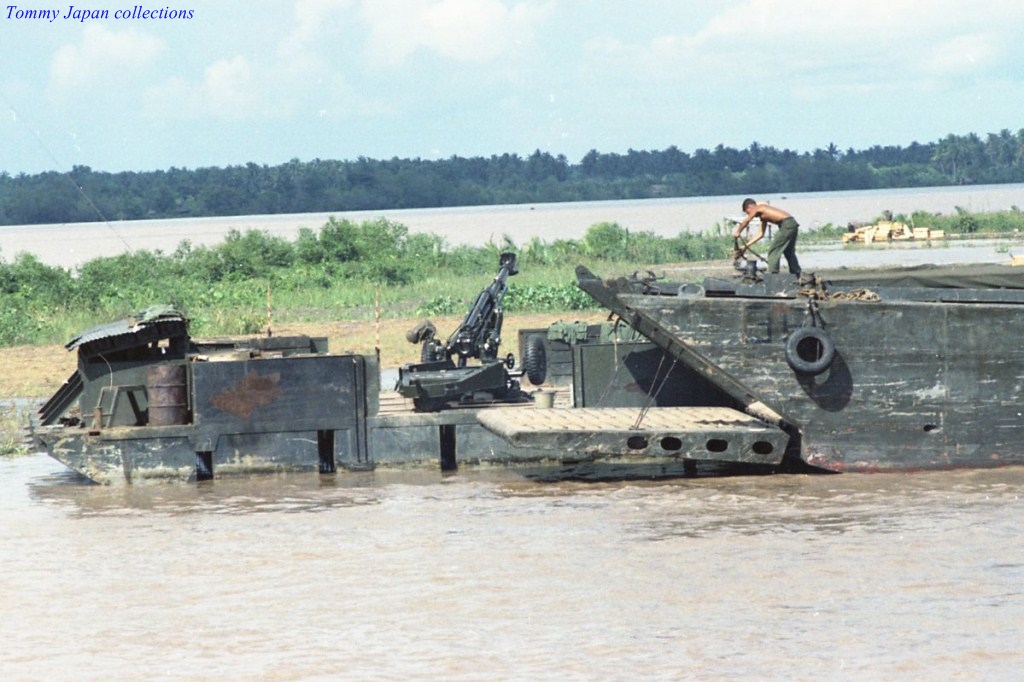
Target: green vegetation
345,270
12,430
83,194
962,224
967,223
341,271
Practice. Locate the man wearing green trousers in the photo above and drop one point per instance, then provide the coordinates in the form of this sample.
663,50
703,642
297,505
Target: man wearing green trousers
784,242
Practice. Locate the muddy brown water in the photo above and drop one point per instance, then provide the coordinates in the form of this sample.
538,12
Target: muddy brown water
490,575
70,245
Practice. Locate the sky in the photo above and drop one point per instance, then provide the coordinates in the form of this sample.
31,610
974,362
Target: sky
259,81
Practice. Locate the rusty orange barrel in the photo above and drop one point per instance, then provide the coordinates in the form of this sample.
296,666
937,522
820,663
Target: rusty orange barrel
167,395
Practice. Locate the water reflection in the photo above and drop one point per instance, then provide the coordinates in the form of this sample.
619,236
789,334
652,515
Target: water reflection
684,506
808,505
291,494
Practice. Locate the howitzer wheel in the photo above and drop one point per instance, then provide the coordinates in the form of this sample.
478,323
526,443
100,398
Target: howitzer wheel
424,331
535,360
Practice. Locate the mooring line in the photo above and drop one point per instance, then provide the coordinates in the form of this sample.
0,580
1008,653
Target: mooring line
63,170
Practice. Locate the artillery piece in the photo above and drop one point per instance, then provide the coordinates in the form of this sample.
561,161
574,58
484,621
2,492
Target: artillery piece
444,378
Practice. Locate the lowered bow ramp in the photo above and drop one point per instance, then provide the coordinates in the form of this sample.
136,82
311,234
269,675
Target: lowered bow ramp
697,433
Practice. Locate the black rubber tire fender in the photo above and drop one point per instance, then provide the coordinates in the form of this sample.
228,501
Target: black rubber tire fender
810,350
535,360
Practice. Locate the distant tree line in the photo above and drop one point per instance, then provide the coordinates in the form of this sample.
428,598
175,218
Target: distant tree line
84,195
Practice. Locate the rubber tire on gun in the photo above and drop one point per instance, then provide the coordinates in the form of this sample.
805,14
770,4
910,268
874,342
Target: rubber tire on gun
535,360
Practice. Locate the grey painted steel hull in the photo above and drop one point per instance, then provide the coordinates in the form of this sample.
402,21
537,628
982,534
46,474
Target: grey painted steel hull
261,406
919,380
248,415
913,385
439,441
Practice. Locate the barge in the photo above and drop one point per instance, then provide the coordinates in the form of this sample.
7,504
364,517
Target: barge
906,368
911,368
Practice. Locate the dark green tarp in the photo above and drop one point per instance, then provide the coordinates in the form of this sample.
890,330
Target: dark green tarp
971,276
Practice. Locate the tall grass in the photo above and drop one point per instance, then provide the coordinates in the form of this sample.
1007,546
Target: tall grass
12,430
341,271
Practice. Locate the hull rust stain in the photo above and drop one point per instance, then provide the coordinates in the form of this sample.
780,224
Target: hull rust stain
251,392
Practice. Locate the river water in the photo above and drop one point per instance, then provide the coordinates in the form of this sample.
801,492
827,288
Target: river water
490,575
70,245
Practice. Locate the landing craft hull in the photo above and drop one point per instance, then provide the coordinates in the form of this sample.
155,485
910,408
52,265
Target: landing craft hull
147,403
838,374
921,377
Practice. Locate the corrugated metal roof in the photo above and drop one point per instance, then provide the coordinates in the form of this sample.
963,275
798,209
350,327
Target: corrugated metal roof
129,327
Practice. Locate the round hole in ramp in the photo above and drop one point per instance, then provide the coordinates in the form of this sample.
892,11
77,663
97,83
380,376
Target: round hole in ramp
762,447
717,445
636,443
932,428
671,443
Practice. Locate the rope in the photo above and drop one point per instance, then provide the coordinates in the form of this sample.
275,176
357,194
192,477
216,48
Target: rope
815,289
651,397
60,166
856,295
864,295
618,365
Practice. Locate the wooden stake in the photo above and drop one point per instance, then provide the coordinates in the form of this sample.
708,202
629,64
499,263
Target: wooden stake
376,314
270,315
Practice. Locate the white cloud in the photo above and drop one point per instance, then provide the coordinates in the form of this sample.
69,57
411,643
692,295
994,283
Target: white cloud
297,76
313,18
464,30
875,24
483,76
229,87
856,45
103,58
303,56
227,91
964,55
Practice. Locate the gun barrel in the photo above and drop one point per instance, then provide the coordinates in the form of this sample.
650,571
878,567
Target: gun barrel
480,331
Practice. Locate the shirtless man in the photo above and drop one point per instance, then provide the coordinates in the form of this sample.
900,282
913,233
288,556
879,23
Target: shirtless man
784,242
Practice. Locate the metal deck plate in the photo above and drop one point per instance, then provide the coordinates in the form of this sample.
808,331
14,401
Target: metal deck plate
699,433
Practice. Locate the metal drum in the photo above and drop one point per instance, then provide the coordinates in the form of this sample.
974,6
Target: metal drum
167,395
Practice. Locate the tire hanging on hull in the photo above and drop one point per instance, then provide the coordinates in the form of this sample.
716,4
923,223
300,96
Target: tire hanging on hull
810,350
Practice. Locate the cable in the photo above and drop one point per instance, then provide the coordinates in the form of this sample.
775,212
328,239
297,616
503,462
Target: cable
65,173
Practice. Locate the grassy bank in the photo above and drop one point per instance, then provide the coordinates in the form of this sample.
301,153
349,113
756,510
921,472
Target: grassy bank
13,420
354,272
343,271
